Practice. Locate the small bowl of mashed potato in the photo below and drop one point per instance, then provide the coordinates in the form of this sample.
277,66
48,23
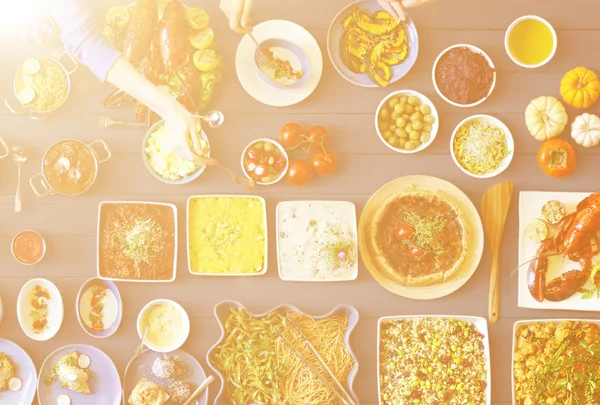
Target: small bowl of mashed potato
165,324
163,163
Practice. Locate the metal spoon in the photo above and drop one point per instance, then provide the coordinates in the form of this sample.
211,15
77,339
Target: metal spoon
19,157
214,118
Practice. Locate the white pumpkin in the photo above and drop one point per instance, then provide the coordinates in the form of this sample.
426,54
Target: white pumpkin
586,130
546,118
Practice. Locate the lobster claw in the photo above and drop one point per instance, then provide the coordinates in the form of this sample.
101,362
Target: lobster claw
536,275
566,285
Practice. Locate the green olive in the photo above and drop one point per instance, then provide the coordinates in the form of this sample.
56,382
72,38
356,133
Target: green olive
427,127
408,128
384,114
393,141
409,146
399,108
401,132
417,125
383,125
430,119
269,147
413,101
393,101
417,116
258,145
425,136
395,116
403,99
401,122
388,134
425,109
414,135
406,117
393,127
409,109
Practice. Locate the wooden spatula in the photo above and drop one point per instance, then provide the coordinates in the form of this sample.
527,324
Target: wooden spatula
494,210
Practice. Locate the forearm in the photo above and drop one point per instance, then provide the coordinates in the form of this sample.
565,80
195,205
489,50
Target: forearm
125,76
415,3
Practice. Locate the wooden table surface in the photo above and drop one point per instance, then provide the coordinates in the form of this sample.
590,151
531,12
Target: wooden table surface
69,223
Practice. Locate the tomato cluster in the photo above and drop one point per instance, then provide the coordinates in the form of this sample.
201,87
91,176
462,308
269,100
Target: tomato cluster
316,143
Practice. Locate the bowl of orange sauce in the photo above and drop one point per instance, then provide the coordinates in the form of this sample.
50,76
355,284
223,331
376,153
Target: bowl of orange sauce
28,247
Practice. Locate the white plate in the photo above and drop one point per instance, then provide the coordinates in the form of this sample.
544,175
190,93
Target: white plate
187,235
514,342
424,100
530,206
510,142
55,310
480,324
255,86
332,205
172,206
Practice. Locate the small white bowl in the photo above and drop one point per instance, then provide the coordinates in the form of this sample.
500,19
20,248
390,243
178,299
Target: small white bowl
184,317
424,100
12,247
514,24
278,146
474,49
509,140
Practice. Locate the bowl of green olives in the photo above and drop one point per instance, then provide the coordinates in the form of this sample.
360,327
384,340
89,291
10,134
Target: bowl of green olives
406,121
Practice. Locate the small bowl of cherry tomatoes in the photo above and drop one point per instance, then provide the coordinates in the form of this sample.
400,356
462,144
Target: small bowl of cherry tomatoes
265,161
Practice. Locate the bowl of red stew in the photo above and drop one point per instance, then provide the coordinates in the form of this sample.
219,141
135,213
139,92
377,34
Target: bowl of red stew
28,247
265,161
464,75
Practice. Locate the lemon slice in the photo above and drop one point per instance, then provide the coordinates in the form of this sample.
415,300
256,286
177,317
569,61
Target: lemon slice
198,18
536,230
202,39
206,60
26,95
118,17
31,66
553,212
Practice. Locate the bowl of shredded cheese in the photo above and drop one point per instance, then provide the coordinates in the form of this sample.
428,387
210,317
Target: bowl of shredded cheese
482,146
164,164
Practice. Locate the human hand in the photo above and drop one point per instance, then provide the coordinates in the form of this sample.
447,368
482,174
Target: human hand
395,8
182,128
238,13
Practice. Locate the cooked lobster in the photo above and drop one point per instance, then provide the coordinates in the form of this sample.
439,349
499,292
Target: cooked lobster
140,31
576,238
172,35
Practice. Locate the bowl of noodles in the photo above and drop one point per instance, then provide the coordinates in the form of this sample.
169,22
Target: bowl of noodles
264,358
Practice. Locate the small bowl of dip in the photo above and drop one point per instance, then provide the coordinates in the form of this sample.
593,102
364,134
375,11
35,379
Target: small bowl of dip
28,247
167,324
530,41
289,65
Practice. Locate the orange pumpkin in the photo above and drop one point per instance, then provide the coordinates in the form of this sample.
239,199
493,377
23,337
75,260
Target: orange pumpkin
580,88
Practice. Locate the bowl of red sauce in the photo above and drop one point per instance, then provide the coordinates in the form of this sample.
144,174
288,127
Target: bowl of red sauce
464,75
28,247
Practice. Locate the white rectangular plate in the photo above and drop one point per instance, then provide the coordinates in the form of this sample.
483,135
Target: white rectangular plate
480,324
530,206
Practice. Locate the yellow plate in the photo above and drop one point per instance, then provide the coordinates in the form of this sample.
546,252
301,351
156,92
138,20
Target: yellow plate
449,191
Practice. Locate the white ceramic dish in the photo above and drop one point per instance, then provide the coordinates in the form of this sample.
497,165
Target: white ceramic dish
333,206
529,322
172,206
530,206
334,39
480,324
184,180
278,146
187,234
424,100
55,310
509,140
255,86
514,24
12,247
222,311
116,302
474,49
186,324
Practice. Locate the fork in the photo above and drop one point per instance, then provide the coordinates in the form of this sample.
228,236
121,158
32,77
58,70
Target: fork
105,122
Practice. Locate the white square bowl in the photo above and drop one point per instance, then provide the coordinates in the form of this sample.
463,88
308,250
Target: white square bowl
172,206
480,324
353,224
187,234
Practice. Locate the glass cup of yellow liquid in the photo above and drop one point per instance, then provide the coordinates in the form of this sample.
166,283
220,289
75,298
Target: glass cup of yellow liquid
530,41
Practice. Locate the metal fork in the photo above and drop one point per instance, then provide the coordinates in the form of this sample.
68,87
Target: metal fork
105,122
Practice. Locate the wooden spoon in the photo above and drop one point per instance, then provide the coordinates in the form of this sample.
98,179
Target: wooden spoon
494,210
200,390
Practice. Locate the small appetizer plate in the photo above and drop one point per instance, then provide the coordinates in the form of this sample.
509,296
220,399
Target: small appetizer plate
298,53
476,50
25,371
140,366
480,324
52,305
510,144
104,381
109,312
255,86
185,319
